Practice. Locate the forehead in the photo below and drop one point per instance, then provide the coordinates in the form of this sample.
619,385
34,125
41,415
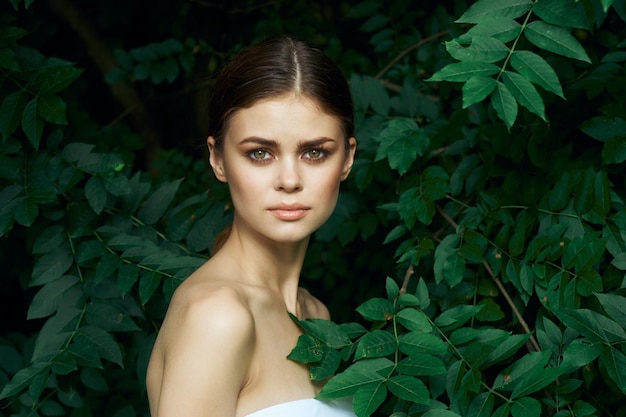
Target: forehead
285,116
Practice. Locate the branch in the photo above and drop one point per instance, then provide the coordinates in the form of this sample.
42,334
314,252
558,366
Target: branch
533,342
103,57
409,50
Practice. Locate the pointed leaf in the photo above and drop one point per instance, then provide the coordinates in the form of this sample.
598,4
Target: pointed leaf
421,365
482,49
535,380
593,325
413,319
536,70
376,309
327,366
615,307
477,89
526,407
505,105
400,142
483,10
51,266
156,205
100,341
524,92
463,71
413,343
580,352
96,194
348,382
555,39
614,362
481,406
561,13
375,344
32,123
367,399
502,28
408,388
23,379
52,109
11,112
47,300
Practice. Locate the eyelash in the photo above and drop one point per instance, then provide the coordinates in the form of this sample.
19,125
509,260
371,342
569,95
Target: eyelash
266,159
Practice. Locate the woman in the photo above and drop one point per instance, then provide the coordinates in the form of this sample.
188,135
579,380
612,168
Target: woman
281,136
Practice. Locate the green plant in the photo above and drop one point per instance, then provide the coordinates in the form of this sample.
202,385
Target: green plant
516,232
501,236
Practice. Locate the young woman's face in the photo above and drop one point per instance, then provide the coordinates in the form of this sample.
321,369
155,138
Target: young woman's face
283,160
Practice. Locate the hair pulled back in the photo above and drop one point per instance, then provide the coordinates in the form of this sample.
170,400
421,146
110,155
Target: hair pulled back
273,68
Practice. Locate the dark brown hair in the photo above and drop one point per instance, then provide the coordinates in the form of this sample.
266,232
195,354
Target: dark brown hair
275,67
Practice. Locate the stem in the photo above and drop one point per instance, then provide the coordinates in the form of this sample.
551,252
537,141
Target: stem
407,277
508,56
505,293
408,50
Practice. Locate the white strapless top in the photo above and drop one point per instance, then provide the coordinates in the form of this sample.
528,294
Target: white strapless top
309,407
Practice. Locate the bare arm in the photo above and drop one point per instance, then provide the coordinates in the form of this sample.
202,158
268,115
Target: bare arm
207,346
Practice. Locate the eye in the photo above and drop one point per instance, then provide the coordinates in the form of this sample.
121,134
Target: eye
315,154
259,155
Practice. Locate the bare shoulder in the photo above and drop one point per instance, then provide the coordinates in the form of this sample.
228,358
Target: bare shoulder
313,307
202,308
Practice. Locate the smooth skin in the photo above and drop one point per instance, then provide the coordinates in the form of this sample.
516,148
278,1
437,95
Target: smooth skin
223,345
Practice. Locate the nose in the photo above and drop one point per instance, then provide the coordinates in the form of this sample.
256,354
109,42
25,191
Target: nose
288,176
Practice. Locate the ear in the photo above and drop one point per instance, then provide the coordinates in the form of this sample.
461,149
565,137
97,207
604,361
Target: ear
347,165
215,159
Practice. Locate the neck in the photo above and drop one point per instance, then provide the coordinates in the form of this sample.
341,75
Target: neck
263,262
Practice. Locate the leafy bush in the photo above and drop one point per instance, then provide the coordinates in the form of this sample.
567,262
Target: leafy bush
487,200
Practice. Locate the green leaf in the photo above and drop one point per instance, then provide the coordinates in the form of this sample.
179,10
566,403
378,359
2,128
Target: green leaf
52,109
440,413
156,205
507,348
614,362
408,388
481,406
591,324
32,123
375,344
148,283
535,380
579,353
56,78
502,28
376,309
484,10
307,350
325,330
463,71
603,128
378,97
482,49
101,342
109,317
51,266
536,70
476,89
615,306
96,194
614,150
414,343
555,39
400,142
327,366
447,248
561,13
11,112
457,316
368,398
47,300
505,104
23,379
413,319
422,365
526,407
360,374
524,92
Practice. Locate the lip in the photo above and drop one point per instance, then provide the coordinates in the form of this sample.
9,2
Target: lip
289,211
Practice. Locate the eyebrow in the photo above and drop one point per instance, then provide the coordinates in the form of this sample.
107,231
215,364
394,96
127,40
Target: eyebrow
272,143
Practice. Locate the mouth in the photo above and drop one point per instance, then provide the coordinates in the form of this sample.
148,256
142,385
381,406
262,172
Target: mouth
289,211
